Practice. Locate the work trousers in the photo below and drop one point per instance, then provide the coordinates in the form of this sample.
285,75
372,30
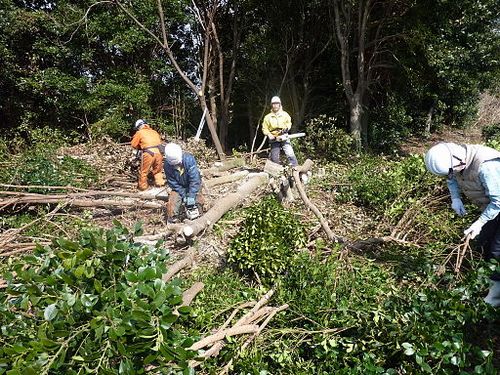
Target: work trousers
489,241
276,148
151,163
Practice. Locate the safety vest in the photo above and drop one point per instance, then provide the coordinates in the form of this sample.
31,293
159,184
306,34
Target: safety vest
468,179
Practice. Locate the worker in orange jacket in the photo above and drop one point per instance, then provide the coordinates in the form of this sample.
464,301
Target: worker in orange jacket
148,142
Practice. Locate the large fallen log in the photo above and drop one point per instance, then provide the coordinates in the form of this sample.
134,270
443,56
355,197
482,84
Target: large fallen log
231,200
80,199
224,166
225,179
192,228
179,265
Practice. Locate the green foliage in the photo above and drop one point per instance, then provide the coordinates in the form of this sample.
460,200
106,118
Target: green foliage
357,317
381,183
268,241
326,141
389,124
97,305
40,165
491,132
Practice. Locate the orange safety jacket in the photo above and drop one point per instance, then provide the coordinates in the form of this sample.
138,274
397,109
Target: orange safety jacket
146,139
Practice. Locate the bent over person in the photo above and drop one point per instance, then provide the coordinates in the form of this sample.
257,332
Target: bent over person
475,171
148,141
184,178
276,126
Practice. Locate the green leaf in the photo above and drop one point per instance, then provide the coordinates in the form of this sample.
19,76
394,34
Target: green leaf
147,273
50,312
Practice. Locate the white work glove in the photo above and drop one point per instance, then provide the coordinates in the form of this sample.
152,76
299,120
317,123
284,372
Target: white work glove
271,137
458,206
474,229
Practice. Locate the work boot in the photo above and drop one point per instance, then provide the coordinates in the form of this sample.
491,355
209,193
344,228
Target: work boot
493,297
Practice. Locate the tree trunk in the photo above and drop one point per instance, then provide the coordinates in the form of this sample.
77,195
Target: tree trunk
224,205
355,120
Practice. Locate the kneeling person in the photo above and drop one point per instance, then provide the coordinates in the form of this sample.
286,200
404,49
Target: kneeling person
183,177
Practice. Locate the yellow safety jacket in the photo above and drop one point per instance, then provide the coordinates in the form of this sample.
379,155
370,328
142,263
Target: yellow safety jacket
275,123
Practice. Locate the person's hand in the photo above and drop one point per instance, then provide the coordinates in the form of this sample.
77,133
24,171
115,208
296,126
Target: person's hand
271,137
474,229
458,206
282,138
190,201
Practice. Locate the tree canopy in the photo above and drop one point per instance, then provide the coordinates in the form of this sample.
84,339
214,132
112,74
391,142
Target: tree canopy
380,69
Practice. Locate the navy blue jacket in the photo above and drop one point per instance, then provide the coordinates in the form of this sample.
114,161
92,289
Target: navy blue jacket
187,183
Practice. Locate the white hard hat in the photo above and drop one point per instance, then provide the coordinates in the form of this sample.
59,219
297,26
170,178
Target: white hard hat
275,99
443,157
139,123
173,154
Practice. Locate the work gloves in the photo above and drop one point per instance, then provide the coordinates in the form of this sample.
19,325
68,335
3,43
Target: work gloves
493,297
190,201
271,137
458,206
475,228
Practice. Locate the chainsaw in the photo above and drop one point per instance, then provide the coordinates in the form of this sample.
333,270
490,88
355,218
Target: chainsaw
286,136
192,212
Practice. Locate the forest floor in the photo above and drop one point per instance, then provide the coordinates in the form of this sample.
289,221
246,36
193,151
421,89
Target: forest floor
118,173
118,170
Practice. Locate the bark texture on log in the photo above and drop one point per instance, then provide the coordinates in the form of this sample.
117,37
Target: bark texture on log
189,295
300,187
224,205
225,179
179,265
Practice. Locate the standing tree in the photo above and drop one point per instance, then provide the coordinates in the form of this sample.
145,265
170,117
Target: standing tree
363,30
198,86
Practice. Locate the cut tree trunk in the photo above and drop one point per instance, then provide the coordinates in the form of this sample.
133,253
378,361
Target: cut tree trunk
224,205
225,179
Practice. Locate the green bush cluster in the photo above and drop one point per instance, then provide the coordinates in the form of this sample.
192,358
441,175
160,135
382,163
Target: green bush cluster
98,305
359,318
491,132
325,140
380,183
40,165
268,241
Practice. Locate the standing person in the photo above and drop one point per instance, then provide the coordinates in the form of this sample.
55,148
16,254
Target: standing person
147,141
183,177
475,171
276,126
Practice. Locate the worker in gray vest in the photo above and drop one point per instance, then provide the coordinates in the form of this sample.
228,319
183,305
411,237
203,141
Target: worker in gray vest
475,171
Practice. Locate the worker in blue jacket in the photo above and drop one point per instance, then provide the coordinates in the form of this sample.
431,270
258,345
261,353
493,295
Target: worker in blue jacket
473,170
183,177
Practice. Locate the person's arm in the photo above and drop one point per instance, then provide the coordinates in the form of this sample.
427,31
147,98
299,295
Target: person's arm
453,188
194,177
265,126
136,141
172,182
489,175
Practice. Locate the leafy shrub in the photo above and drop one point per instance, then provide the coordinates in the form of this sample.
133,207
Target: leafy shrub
357,318
98,305
39,165
380,183
491,132
326,141
268,241
389,124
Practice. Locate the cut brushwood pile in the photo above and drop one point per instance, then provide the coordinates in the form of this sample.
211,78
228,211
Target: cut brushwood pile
225,185
251,322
